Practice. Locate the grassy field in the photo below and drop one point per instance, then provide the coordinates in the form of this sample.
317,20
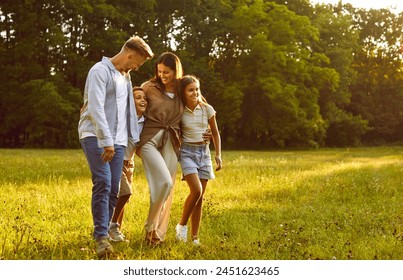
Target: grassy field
284,205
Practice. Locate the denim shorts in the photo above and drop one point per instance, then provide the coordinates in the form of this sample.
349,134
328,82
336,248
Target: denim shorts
196,159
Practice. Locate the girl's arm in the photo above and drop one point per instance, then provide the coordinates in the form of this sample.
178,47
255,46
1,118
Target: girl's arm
216,140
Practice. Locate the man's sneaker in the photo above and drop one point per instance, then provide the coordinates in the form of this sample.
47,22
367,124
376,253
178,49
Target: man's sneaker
181,233
115,234
104,248
196,242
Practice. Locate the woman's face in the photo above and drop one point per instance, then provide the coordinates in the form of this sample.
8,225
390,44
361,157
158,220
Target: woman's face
140,101
166,74
192,94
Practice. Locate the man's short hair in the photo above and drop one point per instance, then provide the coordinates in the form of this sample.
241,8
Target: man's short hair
138,45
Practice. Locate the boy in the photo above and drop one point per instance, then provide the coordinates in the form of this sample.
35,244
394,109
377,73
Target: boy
125,191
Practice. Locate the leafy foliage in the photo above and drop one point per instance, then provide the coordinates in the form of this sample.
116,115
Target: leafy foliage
279,73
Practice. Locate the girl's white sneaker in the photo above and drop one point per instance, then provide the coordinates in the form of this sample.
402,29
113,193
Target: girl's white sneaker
181,233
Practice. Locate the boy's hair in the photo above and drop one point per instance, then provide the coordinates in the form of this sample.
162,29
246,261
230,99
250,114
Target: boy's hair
135,88
136,44
184,82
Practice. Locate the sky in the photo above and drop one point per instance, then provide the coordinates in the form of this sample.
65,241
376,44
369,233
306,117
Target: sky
369,4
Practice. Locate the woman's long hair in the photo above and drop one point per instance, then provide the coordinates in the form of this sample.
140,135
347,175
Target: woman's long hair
172,61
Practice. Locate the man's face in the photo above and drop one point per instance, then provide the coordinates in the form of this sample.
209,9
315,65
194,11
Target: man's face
134,61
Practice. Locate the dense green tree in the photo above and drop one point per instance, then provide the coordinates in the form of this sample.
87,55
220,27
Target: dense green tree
377,94
338,42
274,65
279,73
30,43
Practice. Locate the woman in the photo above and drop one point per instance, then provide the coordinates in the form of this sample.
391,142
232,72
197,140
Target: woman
159,142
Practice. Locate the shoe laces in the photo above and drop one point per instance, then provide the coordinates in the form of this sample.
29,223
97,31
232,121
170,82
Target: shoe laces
114,230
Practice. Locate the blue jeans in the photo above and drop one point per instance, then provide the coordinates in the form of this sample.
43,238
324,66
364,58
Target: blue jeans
105,180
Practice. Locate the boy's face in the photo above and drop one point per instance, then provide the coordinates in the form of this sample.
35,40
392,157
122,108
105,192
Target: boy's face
140,101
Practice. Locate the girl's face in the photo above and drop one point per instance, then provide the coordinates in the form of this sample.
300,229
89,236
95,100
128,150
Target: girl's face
192,94
140,101
166,74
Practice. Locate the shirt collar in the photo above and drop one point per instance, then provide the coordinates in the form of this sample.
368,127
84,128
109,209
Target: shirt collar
198,107
141,119
107,61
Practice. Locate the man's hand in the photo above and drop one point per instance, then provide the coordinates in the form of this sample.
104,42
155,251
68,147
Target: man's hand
108,154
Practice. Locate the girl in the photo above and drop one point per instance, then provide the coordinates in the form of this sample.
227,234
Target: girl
195,158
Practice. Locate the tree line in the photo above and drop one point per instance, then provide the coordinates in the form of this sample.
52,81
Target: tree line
282,73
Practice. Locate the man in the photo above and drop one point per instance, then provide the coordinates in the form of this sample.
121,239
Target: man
108,121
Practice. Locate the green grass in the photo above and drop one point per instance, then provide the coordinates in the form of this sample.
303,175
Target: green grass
284,205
